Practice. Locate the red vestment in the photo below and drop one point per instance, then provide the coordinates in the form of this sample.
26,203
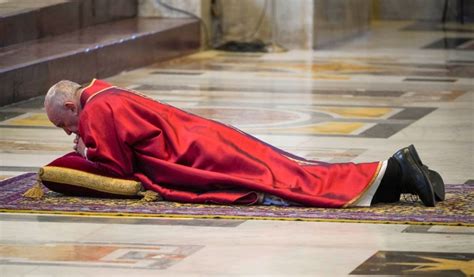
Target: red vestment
187,158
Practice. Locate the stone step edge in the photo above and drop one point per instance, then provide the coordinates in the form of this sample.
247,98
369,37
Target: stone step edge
36,23
33,79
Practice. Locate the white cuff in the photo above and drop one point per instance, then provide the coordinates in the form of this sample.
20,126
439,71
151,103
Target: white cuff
366,197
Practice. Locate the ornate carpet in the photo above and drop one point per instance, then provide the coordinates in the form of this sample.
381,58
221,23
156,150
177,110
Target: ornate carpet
457,209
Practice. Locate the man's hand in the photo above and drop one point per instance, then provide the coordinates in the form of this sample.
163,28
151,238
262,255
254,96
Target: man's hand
79,146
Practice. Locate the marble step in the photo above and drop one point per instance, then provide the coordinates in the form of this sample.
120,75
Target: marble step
28,69
24,20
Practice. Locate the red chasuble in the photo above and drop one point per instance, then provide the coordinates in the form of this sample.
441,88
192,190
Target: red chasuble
187,158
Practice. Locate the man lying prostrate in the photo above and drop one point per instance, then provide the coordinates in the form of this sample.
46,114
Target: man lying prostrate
187,158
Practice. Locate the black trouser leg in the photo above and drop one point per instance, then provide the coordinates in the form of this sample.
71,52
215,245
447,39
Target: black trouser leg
389,189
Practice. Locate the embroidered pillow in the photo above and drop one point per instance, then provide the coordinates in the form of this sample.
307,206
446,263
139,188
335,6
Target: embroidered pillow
74,175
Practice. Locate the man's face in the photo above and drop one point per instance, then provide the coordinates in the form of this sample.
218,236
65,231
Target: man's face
66,118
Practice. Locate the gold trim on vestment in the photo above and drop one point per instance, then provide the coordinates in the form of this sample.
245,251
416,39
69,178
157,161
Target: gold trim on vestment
90,85
91,181
97,92
367,187
139,94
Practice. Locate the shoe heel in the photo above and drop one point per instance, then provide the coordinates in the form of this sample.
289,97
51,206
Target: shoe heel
414,153
438,185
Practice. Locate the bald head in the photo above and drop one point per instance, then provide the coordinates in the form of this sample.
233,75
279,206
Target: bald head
60,92
62,105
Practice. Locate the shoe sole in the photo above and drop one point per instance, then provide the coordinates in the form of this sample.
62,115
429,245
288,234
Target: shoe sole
436,180
429,202
438,185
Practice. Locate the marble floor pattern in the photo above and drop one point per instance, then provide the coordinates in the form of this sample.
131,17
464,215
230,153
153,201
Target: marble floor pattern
401,83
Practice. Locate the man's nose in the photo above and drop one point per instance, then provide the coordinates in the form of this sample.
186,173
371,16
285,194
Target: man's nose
68,132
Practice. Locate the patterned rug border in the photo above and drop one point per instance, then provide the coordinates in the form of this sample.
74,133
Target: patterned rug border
249,216
187,216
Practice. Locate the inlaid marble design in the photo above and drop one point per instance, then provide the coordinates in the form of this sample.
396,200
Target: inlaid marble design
176,73
19,168
424,26
303,120
103,255
429,80
292,120
449,230
28,146
258,92
29,119
459,43
417,263
194,222
7,115
350,103
333,67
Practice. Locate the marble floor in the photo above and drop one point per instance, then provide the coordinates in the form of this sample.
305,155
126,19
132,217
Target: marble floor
401,83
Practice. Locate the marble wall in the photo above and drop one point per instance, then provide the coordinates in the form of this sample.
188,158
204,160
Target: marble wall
244,20
241,20
169,9
298,24
338,20
287,23
153,8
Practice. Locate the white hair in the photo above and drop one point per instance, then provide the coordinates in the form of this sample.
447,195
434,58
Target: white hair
59,93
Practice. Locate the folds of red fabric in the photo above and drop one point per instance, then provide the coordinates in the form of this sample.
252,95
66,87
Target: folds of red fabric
187,158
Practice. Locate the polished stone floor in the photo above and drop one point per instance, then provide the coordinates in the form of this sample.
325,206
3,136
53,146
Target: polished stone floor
402,83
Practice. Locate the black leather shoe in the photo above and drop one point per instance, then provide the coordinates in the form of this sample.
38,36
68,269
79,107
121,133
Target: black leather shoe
415,178
435,178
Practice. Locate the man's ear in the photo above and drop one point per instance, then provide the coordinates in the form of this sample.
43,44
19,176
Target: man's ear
69,105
